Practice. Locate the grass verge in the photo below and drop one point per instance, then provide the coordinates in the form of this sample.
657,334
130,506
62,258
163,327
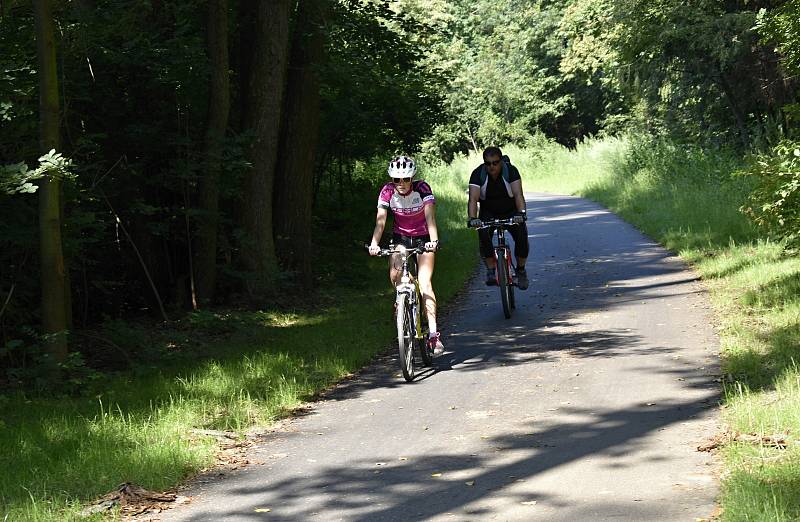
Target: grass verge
221,370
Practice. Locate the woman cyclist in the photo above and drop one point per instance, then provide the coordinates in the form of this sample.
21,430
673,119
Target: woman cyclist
412,204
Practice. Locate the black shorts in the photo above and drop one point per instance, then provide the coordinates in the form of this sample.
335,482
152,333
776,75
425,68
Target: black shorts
410,241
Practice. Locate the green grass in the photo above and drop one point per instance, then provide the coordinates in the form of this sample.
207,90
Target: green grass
223,370
688,200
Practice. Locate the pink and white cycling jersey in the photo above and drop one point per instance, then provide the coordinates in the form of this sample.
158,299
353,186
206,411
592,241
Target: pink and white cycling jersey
409,209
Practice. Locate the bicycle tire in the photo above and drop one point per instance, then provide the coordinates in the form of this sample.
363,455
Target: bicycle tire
511,297
424,349
405,339
502,277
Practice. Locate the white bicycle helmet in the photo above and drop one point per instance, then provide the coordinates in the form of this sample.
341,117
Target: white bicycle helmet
402,167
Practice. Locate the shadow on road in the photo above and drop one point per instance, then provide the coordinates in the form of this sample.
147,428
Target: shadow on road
401,488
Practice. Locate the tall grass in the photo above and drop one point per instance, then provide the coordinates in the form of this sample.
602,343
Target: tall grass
243,369
688,199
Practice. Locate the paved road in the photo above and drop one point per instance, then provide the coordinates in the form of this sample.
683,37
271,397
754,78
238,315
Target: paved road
587,404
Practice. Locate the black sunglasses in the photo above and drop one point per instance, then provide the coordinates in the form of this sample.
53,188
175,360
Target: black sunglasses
491,163
398,180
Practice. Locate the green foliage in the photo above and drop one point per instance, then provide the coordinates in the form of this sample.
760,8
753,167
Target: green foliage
694,72
374,83
781,27
775,202
18,179
503,58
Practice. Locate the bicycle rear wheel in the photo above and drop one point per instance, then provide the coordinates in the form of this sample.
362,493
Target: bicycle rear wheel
424,349
504,283
405,338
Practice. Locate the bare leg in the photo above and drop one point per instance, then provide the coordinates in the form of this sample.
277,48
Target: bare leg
395,269
425,272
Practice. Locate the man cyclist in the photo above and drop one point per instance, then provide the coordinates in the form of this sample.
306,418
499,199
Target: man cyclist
412,204
497,185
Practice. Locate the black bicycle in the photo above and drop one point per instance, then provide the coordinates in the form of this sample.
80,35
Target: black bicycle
502,255
411,332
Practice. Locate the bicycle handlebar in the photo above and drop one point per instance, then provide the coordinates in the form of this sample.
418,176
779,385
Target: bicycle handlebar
490,223
399,249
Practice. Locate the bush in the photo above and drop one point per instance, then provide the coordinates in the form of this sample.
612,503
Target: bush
775,202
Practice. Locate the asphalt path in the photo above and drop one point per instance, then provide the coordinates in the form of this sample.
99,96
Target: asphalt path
588,404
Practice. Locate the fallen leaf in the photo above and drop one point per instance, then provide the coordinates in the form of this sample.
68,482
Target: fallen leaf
436,474
529,503
262,510
470,483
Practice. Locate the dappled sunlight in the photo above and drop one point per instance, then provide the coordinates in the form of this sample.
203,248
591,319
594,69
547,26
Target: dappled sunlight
497,471
286,319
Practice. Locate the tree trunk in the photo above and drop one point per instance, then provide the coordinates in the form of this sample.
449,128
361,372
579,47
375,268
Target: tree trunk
218,111
294,194
262,116
54,294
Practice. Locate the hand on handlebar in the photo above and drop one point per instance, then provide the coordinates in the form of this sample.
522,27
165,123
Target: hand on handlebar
432,246
474,223
374,250
519,217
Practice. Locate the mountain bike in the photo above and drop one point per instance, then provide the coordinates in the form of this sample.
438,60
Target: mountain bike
502,255
411,333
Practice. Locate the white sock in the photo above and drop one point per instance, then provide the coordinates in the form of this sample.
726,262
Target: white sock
432,326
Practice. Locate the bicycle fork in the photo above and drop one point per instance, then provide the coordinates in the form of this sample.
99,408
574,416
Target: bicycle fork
410,292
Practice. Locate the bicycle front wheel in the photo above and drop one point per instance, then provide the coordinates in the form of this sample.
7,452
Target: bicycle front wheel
504,283
405,338
511,288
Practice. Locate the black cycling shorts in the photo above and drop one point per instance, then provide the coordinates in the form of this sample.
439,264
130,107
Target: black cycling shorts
410,241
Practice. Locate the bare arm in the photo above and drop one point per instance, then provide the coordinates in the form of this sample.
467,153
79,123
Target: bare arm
380,224
472,206
430,220
519,198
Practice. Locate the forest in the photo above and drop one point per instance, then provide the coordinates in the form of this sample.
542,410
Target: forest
176,176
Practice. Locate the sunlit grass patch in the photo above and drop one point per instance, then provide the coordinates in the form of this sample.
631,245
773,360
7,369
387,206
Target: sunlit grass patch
55,453
763,484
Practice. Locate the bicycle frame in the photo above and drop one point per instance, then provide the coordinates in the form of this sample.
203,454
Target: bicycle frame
503,263
409,286
411,336
502,248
